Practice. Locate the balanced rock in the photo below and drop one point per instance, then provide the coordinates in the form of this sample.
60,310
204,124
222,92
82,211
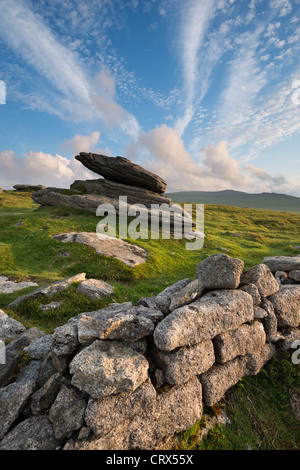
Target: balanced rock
28,187
122,170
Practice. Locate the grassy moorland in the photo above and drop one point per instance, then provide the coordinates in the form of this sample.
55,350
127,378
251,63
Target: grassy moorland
258,407
267,201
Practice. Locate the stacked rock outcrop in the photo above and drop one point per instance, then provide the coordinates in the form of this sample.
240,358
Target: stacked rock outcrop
128,377
120,177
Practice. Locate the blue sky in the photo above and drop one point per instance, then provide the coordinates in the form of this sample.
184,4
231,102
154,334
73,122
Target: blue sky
206,93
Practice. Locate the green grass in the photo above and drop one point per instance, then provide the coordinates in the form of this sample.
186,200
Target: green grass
28,252
260,413
267,201
258,407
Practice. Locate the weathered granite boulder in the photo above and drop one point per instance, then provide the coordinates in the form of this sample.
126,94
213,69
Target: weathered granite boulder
213,313
295,274
13,354
105,414
219,378
114,190
163,300
48,290
253,291
34,433
288,336
8,287
280,277
173,216
43,398
14,396
95,289
124,326
174,410
47,370
261,276
269,321
286,304
259,313
108,367
40,348
1,190
127,327
153,314
67,412
28,187
127,253
122,170
64,338
9,327
64,198
220,271
181,364
255,361
282,263
246,339
187,294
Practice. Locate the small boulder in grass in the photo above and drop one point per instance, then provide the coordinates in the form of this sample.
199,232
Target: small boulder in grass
95,289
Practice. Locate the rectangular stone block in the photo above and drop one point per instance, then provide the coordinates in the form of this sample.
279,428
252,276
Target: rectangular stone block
214,313
217,380
182,363
174,410
245,339
221,377
286,303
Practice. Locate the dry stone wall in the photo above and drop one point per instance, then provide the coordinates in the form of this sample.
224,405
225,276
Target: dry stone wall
128,377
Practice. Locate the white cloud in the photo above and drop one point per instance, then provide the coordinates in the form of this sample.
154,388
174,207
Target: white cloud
163,151
73,93
40,168
284,6
194,24
264,176
82,143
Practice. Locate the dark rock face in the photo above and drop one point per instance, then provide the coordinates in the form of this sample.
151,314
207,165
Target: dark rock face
135,195
122,170
28,187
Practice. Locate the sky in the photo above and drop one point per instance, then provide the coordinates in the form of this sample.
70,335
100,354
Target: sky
205,93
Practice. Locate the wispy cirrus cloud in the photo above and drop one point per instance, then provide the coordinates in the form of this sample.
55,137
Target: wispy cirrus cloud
71,93
194,24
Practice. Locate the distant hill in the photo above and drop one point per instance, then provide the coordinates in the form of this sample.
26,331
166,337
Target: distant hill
268,201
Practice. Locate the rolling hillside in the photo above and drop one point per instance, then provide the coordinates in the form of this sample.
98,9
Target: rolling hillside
267,201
